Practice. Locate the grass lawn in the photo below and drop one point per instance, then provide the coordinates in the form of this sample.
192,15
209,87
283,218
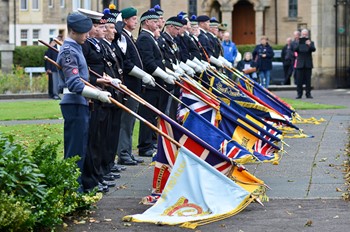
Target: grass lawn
302,105
31,134
28,110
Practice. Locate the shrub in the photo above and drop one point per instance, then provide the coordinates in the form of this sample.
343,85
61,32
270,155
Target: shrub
19,82
29,56
37,189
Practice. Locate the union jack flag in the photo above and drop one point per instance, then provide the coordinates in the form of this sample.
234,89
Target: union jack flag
195,104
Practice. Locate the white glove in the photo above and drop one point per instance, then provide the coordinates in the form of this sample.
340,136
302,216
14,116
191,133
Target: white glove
116,81
193,65
177,69
216,61
145,77
206,64
89,92
187,69
149,80
174,74
166,77
226,62
198,62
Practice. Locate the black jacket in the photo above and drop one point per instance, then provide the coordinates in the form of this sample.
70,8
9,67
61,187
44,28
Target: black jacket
53,55
206,44
151,56
304,58
132,58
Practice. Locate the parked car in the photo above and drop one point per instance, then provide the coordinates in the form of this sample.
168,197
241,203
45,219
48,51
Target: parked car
277,73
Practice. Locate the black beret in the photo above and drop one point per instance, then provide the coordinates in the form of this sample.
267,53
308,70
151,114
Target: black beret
150,14
79,23
214,22
158,10
175,21
108,17
203,18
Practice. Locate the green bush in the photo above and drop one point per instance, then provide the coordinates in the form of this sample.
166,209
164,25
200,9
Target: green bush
250,47
37,189
19,82
29,56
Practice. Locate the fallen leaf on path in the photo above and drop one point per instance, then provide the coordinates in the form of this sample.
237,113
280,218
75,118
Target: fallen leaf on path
127,224
290,180
79,222
338,190
107,220
289,213
336,216
323,160
308,223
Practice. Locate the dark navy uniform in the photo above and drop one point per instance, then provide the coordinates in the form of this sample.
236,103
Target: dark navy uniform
188,47
92,51
206,44
152,58
132,59
215,44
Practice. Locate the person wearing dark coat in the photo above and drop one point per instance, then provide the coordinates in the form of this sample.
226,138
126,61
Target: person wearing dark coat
98,144
134,78
304,63
154,64
287,57
262,55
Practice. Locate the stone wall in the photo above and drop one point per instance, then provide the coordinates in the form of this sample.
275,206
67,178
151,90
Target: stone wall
4,22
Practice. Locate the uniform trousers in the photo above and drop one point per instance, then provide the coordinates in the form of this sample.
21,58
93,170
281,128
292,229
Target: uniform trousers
303,76
76,130
124,150
147,137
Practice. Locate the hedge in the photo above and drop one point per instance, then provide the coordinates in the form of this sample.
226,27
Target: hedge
29,56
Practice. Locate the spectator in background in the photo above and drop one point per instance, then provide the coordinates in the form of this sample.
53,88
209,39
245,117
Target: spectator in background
304,48
263,55
55,85
287,57
248,66
294,43
230,51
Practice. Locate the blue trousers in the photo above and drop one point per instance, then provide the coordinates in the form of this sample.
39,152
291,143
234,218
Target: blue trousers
76,129
264,76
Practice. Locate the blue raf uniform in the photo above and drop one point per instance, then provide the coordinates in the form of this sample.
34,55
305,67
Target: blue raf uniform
74,106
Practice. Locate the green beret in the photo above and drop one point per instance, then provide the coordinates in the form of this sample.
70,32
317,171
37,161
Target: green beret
128,12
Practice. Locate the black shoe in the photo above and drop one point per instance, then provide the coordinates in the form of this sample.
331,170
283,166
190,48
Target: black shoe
56,97
138,160
108,183
148,153
102,188
128,162
116,168
298,97
309,96
111,176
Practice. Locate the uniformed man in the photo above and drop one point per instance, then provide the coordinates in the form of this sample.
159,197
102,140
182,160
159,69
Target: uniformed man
160,12
212,34
207,49
113,60
134,77
74,105
189,50
154,64
98,146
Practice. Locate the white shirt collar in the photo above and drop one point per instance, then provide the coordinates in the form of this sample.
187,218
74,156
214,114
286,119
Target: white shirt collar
148,31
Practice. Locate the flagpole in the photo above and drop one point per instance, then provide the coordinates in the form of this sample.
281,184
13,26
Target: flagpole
238,123
115,102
